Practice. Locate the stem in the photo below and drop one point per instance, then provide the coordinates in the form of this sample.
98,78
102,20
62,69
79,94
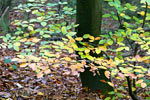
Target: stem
5,12
119,19
131,93
144,19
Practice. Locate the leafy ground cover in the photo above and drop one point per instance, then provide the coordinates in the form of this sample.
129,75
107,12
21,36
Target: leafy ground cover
20,78
38,59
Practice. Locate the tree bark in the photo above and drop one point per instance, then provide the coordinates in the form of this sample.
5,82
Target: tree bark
89,15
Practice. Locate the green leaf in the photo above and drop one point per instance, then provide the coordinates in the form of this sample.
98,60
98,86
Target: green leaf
106,15
108,98
102,41
10,45
148,1
85,36
120,95
147,98
16,48
30,28
17,44
14,67
72,33
43,24
46,35
5,39
64,30
7,61
110,42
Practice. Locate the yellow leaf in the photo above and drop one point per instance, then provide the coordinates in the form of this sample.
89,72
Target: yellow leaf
40,93
133,88
87,51
122,14
23,40
71,39
97,50
107,74
67,58
143,85
103,48
111,84
70,50
23,64
142,13
91,37
79,38
139,81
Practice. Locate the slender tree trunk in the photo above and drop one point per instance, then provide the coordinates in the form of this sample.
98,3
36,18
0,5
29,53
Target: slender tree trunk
4,14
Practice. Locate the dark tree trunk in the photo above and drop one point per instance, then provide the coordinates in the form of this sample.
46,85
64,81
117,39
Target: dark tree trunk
89,16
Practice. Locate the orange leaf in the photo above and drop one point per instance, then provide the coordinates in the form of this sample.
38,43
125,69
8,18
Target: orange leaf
97,38
103,81
40,74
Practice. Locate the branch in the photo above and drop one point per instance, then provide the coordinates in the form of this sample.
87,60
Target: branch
119,19
5,12
144,19
131,93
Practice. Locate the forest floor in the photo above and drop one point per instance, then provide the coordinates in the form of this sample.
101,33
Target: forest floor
23,84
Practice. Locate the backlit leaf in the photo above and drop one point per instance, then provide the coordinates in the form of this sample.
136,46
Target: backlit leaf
107,74
79,38
143,85
111,84
64,30
23,64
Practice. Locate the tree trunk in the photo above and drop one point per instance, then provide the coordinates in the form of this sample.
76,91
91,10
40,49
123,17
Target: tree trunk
89,14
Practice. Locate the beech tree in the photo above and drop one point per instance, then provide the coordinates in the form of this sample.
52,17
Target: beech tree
89,17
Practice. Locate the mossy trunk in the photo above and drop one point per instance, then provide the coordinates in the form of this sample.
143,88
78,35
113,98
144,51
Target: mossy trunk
89,15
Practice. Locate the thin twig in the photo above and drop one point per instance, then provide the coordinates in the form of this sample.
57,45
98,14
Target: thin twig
144,19
5,12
